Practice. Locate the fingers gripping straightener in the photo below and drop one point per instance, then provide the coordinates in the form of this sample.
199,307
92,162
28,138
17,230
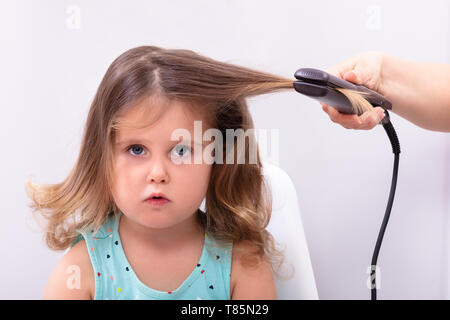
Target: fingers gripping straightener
320,85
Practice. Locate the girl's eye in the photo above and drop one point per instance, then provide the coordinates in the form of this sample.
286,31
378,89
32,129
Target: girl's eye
182,150
135,147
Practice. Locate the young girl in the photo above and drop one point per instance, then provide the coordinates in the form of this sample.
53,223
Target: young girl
129,209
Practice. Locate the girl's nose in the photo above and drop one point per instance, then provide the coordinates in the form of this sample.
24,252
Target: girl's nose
158,174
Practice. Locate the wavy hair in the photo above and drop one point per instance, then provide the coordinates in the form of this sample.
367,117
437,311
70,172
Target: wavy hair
238,201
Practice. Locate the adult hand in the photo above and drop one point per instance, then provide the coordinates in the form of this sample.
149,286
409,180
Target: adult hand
362,69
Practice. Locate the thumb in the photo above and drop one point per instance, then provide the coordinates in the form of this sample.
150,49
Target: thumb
352,77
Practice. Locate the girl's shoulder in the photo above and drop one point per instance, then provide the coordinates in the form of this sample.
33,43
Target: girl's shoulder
73,276
251,276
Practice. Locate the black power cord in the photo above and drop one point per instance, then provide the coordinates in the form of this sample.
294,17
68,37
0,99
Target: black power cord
387,125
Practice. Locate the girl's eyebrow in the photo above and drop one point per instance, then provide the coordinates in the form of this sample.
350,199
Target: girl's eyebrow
130,141
171,142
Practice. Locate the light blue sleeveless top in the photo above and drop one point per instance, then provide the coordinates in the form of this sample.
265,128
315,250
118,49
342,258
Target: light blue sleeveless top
115,278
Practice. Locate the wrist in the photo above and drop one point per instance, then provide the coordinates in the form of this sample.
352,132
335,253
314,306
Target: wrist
385,69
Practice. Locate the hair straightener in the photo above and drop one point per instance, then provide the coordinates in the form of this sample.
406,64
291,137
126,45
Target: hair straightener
321,86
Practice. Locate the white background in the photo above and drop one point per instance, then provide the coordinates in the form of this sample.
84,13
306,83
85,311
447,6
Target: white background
54,54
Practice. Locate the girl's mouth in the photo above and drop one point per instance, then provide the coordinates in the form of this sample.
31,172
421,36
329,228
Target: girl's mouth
157,201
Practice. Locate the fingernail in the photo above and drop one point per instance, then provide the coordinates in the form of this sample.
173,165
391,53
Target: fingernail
381,115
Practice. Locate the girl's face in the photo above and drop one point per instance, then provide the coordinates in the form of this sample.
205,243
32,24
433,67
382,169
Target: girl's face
144,164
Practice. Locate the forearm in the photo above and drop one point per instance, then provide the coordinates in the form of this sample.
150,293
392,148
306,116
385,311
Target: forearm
419,91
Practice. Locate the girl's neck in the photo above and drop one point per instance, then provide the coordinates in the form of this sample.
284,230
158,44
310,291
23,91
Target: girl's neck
177,235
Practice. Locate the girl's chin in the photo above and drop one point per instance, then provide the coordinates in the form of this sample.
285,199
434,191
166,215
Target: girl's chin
157,220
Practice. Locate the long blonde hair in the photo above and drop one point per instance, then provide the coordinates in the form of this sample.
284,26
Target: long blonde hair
238,202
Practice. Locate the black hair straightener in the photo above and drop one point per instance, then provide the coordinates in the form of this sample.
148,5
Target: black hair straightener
320,85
